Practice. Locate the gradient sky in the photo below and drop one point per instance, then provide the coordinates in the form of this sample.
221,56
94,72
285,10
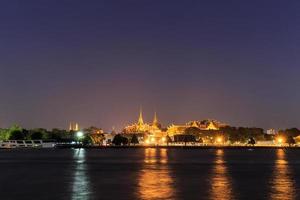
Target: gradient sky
97,62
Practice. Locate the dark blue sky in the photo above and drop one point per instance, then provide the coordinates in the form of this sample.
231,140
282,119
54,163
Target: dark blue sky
97,62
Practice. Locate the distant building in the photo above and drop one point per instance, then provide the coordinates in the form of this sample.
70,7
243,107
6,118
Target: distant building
142,127
73,126
205,125
108,138
149,133
271,132
153,133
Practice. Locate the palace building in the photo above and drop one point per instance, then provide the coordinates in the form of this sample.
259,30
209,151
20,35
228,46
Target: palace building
204,125
142,127
153,133
73,126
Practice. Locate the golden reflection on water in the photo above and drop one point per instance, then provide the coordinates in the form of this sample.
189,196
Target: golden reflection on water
81,184
155,181
282,184
221,185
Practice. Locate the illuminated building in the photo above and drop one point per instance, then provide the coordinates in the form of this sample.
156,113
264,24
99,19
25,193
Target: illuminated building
142,127
205,125
153,133
73,126
146,133
271,132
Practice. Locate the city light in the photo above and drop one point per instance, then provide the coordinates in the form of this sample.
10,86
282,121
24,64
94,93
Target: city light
163,139
219,139
280,140
79,134
147,141
152,140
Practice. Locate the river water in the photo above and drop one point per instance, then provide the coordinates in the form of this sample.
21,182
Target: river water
149,173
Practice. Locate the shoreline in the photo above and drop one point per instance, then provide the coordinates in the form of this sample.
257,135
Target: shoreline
179,147
77,146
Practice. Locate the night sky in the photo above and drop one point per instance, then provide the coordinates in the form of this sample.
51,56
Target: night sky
97,62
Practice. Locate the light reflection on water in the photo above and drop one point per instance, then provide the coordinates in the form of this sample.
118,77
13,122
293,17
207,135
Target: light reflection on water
221,185
81,183
155,181
282,183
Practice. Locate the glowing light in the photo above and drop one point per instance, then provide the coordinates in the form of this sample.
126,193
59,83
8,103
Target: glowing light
219,139
280,140
147,141
79,134
163,139
152,139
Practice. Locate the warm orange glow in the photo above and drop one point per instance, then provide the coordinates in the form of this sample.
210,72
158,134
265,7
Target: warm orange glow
219,139
163,139
221,183
155,182
152,139
280,140
282,181
147,141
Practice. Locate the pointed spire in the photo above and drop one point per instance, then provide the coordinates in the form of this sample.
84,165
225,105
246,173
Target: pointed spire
70,127
155,120
76,127
141,121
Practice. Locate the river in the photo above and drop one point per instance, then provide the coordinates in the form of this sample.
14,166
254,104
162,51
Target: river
150,173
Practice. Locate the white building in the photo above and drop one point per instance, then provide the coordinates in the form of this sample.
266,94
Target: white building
271,132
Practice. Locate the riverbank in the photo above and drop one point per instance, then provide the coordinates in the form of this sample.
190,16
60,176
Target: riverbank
177,147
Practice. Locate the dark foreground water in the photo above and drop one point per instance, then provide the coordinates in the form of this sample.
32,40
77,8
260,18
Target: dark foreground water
149,174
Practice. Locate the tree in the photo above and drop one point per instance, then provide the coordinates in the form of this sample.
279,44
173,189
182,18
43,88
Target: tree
4,134
200,140
58,134
36,135
233,134
134,139
184,138
251,141
290,140
169,140
125,140
15,133
120,140
294,132
87,140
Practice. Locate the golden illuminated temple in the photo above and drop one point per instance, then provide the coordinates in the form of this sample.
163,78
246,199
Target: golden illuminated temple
141,127
155,130
73,126
204,125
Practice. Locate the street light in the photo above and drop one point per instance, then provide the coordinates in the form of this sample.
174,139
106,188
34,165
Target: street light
280,140
79,134
147,141
219,139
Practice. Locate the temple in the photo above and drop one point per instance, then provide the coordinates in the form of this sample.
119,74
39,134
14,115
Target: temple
153,133
142,127
204,125
73,126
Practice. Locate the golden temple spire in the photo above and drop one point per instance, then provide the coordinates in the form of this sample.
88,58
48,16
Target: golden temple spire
155,120
76,127
141,121
70,127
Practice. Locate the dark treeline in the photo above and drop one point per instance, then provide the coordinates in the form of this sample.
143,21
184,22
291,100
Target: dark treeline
17,133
